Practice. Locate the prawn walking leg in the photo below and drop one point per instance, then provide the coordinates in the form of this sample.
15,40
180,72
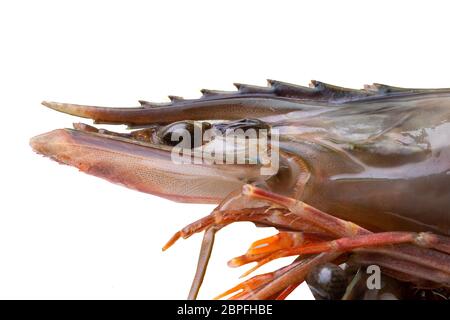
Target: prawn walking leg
313,232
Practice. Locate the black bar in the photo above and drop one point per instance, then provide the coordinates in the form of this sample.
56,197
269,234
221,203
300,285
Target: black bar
174,309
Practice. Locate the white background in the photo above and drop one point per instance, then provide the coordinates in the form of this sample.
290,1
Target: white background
64,234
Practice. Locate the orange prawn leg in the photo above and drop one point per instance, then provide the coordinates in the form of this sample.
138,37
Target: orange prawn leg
291,275
344,229
211,224
195,227
415,252
406,269
276,242
283,294
247,286
281,245
218,219
283,240
307,213
364,241
280,283
441,243
348,244
274,217
203,260
263,248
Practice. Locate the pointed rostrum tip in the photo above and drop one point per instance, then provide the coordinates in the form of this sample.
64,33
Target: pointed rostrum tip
73,109
61,107
48,104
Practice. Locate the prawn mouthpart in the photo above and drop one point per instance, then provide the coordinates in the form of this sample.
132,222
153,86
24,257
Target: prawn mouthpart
315,238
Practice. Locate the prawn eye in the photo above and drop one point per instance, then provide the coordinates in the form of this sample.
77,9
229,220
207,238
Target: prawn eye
188,132
327,282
